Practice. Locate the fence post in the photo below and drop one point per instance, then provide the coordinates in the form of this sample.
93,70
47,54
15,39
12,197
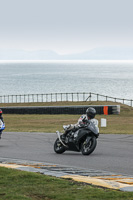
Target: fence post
66,96
90,96
56,97
72,97
77,96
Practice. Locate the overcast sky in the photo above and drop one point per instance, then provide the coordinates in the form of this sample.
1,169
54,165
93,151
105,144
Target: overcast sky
65,26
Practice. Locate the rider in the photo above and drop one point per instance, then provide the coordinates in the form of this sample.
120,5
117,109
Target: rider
90,114
1,118
83,120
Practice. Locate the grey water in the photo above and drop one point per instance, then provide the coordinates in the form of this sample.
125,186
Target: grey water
113,79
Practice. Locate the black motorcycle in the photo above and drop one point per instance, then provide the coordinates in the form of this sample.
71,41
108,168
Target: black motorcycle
82,140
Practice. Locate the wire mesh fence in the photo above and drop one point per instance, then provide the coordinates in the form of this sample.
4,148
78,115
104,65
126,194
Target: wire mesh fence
56,97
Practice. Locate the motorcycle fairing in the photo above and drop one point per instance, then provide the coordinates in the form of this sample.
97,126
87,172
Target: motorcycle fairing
2,125
93,128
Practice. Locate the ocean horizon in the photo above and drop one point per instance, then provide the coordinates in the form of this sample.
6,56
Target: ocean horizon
106,77
66,61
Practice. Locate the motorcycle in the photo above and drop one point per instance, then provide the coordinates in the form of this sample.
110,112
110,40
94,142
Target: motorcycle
83,140
2,126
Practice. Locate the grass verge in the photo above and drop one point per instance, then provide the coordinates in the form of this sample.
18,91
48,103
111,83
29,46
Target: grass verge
20,185
116,124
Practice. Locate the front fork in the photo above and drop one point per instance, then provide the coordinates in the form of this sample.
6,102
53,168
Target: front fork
58,134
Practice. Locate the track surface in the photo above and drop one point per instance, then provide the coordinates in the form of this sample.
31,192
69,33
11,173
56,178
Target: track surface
113,153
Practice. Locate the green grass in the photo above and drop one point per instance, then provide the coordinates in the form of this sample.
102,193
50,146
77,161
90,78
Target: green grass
20,185
61,103
120,124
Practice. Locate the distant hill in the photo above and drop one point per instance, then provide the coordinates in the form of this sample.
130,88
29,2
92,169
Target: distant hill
104,54
94,54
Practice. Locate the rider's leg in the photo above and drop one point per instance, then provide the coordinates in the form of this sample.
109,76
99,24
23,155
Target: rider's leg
0,134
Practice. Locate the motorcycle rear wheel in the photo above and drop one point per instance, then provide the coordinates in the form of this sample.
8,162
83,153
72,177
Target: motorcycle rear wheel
88,147
58,147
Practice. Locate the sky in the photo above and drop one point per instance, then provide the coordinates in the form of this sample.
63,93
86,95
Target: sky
65,26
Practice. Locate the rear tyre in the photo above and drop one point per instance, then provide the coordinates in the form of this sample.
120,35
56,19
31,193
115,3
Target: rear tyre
58,147
88,147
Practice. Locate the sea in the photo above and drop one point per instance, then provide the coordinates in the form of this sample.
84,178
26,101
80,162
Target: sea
110,78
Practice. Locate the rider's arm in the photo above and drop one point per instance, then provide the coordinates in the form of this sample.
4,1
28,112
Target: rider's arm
82,119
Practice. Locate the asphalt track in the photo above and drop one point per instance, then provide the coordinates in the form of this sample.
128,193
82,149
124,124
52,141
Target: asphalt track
114,153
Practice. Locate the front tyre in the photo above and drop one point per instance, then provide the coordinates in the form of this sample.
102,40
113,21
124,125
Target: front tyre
58,147
87,147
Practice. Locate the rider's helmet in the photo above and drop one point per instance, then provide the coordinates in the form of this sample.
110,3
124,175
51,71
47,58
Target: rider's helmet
0,112
91,112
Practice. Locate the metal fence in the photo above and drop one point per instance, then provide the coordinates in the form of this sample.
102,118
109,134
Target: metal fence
55,97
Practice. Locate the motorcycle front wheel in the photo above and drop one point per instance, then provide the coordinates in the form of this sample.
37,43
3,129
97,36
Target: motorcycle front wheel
58,147
88,147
